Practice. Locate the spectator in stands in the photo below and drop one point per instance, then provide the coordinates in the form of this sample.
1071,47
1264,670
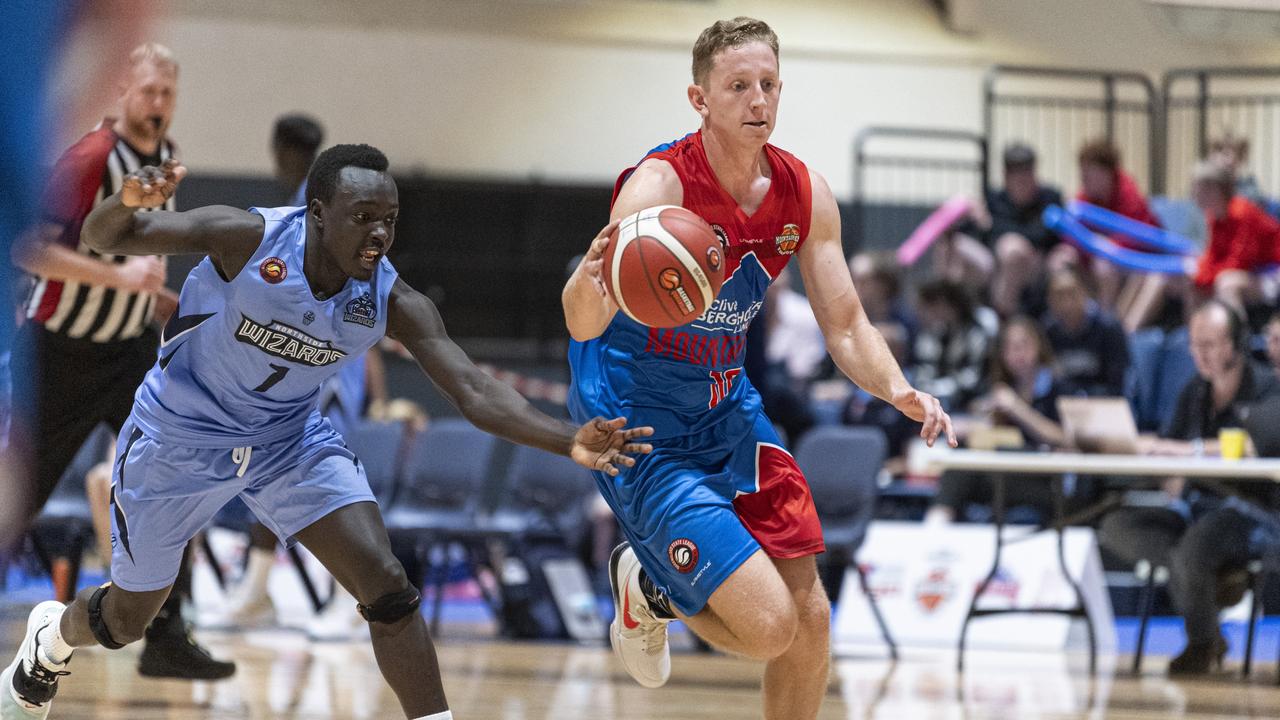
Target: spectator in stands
879,282
1090,345
1015,231
1105,184
1243,239
1273,343
950,352
1233,152
1207,534
1024,394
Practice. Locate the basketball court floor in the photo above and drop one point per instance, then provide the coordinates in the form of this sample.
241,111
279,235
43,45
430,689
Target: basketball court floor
283,675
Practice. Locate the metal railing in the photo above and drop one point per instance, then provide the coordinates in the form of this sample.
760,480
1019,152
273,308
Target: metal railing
1202,104
901,174
1056,111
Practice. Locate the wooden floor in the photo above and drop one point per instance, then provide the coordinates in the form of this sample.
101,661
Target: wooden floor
282,675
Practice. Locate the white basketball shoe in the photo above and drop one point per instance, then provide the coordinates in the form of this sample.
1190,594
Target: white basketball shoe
638,635
28,685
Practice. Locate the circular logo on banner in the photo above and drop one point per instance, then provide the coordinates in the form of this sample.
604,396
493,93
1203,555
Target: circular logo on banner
683,554
273,270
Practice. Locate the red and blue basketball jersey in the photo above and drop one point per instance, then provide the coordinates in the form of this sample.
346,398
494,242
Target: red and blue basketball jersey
688,379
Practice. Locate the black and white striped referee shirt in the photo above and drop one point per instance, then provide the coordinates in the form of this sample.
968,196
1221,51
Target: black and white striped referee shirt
87,173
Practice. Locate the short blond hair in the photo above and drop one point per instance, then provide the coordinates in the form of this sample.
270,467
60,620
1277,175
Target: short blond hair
154,53
724,34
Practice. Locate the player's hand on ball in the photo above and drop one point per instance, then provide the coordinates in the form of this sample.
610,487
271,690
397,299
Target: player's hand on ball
152,186
593,261
925,408
606,445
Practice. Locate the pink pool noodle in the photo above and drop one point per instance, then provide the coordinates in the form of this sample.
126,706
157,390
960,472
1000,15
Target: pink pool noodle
938,222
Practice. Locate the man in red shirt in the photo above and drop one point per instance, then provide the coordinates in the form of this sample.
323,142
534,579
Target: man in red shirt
1243,239
1134,298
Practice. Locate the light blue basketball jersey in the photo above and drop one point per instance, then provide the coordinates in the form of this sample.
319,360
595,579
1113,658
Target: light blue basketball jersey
241,363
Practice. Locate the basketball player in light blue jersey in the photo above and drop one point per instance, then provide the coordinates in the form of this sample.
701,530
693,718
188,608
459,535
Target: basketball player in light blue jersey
284,299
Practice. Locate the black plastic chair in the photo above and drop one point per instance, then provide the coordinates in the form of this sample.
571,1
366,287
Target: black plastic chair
842,465
380,447
439,496
544,496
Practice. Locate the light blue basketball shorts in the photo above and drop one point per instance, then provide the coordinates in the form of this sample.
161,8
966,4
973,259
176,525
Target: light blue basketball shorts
162,494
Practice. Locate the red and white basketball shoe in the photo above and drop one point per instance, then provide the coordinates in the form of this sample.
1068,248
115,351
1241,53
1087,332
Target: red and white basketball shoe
638,635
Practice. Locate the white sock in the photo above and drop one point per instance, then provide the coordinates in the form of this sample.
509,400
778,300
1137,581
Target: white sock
51,641
446,715
257,572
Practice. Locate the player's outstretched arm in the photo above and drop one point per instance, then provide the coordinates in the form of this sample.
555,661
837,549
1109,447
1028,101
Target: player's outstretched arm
495,407
588,309
228,235
856,346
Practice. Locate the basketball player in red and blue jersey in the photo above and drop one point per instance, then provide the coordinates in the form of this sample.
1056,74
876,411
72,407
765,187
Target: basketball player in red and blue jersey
720,524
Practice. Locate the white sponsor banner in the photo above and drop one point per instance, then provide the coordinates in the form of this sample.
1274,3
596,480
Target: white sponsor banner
924,578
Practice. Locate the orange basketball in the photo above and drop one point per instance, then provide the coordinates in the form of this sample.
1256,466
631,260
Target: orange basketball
664,266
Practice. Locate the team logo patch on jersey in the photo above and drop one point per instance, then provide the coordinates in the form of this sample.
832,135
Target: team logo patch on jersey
308,317
683,554
287,342
789,240
273,270
721,234
361,311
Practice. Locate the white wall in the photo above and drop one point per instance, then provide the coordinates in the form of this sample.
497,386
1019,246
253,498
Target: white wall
577,89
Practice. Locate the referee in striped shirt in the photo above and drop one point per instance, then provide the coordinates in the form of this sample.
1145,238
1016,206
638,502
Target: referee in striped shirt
89,336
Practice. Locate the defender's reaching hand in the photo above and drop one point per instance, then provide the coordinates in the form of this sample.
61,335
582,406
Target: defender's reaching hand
605,445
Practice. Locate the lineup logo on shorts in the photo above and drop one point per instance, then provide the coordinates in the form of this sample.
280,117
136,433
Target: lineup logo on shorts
287,342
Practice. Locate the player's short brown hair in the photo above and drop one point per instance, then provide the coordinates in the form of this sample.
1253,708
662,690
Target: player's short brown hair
724,34
1100,152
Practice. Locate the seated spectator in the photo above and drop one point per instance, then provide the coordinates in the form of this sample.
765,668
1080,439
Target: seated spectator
879,282
1132,298
1006,240
949,355
1207,534
1090,345
1233,152
1242,239
1015,230
1273,343
1024,394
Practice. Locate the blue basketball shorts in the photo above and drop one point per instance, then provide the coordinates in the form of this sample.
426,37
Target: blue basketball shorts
698,506
163,493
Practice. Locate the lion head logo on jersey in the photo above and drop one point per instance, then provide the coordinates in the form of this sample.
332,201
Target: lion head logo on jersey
789,240
683,554
273,270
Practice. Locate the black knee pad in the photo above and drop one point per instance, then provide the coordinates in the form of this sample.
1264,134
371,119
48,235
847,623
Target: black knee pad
97,624
391,607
